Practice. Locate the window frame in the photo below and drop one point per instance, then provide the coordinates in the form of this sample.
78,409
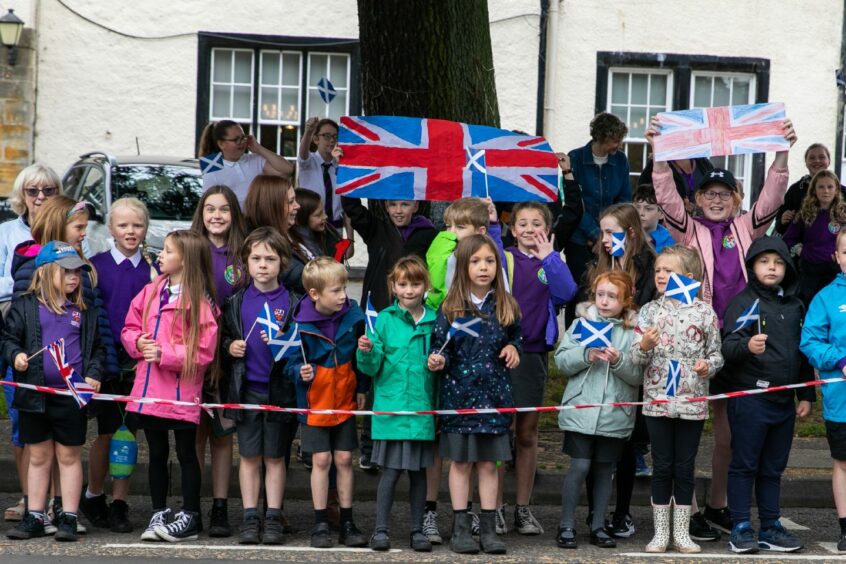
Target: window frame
207,41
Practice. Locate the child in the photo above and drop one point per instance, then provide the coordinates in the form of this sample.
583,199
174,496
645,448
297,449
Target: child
542,284
330,325
668,330
651,217
52,425
218,219
263,437
318,166
762,425
318,235
722,237
823,342
171,330
476,376
395,357
122,274
594,438
816,226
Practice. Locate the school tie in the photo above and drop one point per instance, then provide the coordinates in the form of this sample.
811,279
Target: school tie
328,192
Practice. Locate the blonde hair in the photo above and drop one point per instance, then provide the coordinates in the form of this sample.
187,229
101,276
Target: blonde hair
689,259
51,222
37,173
131,204
457,302
467,210
811,203
46,292
321,272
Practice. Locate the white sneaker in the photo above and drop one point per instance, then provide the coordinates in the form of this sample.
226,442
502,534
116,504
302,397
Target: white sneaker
474,524
501,527
525,521
430,527
184,527
159,518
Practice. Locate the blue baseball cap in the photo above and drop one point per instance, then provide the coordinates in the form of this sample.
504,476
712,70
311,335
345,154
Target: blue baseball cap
62,254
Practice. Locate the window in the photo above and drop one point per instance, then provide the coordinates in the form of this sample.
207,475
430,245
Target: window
169,192
710,89
269,84
635,96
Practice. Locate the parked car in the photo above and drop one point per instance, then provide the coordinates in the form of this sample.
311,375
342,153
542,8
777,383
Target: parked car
170,187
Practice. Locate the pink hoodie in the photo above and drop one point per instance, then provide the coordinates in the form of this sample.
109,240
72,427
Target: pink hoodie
746,227
163,379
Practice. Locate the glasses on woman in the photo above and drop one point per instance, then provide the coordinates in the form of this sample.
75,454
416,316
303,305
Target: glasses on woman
48,191
237,140
710,195
328,136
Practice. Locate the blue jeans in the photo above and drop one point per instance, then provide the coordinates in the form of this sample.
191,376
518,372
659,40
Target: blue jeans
9,395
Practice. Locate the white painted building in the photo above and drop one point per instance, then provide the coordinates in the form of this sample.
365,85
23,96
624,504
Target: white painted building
117,75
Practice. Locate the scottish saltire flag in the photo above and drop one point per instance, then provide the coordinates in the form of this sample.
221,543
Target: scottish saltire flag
595,334
750,315
79,388
618,244
211,163
467,325
267,321
326,90
682,288
577,330
403,158
282,343
370,315
728,130
673,378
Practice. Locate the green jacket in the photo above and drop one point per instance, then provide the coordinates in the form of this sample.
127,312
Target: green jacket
437,259
401,381
598,382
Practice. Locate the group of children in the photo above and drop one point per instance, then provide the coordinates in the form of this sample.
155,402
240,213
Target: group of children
463,322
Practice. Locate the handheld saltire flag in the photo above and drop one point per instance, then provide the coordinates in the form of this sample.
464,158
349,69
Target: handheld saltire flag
750,315
682,288
370,315
577,329
267,321
79,388
281,344
595,333
211,163
465,325
123,453
673,378
403,158
326,90
618,244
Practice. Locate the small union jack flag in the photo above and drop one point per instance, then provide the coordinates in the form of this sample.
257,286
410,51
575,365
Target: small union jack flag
728,130
404,158
79,388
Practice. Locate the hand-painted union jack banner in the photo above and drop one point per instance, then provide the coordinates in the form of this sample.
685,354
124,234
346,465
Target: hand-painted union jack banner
728,130
404,158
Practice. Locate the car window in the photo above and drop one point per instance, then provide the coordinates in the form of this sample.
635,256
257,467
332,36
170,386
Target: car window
73,180
93,189
170,191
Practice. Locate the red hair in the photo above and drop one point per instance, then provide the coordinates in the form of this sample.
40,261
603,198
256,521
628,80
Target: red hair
625,287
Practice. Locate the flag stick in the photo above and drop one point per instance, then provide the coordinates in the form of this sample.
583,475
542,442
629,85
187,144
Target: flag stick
440,350
36,353
759,324
613,262
302,350
487,192
250,332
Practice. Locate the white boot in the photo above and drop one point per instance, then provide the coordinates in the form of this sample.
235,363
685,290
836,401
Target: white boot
661,519
681,530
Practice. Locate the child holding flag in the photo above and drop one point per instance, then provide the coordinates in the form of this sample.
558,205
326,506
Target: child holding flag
393,353
677,342
256,377
763,325
599,370
330,325
476,375
52,426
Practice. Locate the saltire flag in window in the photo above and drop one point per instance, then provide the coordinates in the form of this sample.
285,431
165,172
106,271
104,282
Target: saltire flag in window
727,130
403,158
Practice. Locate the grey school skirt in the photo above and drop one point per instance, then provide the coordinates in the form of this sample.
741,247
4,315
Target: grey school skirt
479,447
403,455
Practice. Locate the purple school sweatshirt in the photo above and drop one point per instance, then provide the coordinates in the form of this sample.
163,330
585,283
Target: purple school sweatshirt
55,326
728,272
328,324
118,285
532,294
258,359
818,239
226,276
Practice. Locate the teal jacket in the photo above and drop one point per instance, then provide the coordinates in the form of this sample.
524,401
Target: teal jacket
401,381
598,382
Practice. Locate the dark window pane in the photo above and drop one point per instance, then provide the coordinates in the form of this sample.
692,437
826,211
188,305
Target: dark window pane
170,192
268,137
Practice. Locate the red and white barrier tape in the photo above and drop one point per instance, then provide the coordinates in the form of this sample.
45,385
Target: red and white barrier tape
469,411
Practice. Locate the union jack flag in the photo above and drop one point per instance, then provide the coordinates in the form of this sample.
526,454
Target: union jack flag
79,388
728,130
404,158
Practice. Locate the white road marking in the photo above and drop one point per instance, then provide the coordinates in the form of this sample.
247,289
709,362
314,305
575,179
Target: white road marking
727,554
830,546
218,547
792,525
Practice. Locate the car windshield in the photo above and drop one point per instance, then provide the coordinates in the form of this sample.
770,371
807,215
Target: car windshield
170,191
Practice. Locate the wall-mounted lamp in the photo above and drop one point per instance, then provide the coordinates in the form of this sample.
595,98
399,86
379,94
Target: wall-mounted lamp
11,27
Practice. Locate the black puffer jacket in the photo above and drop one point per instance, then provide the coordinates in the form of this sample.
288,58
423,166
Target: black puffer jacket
781,320
281,392
22,334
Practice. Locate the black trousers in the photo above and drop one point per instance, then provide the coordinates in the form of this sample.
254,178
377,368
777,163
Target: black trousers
674,446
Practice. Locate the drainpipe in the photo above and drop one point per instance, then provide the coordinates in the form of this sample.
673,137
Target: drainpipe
551,67
841,99
542,26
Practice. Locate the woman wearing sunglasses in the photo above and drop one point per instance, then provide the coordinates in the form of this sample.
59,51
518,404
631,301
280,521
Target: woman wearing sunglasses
239,167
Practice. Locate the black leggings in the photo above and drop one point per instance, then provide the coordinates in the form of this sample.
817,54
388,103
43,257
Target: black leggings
674,446
157,440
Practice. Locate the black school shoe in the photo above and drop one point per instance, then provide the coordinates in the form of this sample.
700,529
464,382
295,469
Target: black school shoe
719,518
119,517
28,528
66,528
566,538
219,520
600,538
95,509
700,530
321,536
351,536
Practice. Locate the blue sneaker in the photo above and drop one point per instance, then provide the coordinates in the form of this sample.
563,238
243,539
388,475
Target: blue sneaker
777,539
642,469
742,540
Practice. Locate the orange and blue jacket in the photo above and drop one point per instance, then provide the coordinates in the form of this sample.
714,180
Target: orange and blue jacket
337,379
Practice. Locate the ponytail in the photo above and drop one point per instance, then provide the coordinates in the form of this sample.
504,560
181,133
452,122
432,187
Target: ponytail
212,133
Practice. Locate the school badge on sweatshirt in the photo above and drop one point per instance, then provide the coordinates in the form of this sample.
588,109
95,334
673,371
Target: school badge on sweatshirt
75,317
834,228
729,242
279,314
542,276
232,274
